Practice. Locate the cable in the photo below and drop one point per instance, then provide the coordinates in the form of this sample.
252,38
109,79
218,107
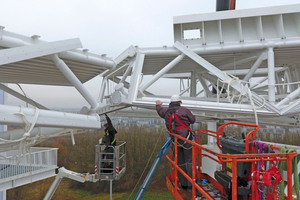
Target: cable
24,94
145,166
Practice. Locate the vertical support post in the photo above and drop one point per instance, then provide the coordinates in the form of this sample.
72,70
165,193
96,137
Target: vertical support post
194,172
102,89
193,87
176,163
212,126
2,128
3,195
234,179
271,75
110,190
136,77
199,153
289,176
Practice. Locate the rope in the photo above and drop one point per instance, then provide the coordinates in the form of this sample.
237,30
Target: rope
158,139
253,106
239,101
23,93
296,175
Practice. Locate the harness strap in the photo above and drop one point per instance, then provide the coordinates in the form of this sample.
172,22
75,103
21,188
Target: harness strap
182,124
178,127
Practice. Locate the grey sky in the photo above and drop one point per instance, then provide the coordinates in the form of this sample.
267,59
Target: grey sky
104,27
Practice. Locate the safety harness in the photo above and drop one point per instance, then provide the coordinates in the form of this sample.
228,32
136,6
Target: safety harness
172,123
172,127
295,169
268,178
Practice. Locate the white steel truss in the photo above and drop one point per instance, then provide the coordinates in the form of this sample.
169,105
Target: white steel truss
253,57
231,65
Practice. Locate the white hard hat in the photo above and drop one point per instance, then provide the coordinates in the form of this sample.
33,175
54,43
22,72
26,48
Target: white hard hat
175,98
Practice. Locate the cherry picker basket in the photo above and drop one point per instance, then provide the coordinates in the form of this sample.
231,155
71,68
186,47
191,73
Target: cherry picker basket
110,161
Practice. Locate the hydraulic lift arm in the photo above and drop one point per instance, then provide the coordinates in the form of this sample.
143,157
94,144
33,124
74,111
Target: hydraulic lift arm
157,160
63,172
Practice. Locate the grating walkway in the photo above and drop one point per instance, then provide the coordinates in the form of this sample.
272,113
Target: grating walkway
40,164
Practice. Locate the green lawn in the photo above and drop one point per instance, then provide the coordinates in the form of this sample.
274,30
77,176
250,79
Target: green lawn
68,194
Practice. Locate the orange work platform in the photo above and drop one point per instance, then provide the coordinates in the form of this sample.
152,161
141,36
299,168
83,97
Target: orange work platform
199,151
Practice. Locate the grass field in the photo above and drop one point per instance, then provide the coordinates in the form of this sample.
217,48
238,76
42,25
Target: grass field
68,194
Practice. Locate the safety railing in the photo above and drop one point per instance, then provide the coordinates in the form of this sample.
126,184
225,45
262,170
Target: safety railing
199,151
15,163
110,161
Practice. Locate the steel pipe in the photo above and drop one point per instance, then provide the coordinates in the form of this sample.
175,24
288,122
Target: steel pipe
74,81
47,118
271,75
164,70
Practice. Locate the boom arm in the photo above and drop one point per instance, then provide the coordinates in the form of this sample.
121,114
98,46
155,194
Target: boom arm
63,172
157,160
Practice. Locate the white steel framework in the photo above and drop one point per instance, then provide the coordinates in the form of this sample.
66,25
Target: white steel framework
230,65
252,56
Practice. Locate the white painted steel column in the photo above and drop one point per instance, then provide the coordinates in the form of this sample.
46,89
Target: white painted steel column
271,75
136,77
3,195
193,84
164,70
102,89
2,128
74,81
212,126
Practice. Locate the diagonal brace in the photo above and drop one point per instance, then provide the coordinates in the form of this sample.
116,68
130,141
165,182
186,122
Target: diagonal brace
237,84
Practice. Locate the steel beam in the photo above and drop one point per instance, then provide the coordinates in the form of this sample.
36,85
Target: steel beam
205,87
289,98
61,65
224,77
163,71
136,77
47,118
21,53
224,48
208,66
255,66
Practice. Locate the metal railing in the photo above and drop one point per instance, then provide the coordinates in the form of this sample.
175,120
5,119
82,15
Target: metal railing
15,163
110,161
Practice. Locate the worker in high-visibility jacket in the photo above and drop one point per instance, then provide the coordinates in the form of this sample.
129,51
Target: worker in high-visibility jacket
109,140
109,133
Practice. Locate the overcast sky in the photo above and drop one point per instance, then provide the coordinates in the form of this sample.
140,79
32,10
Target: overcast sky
105,26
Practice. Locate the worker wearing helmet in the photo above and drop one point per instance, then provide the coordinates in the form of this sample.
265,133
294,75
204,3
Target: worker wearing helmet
180,126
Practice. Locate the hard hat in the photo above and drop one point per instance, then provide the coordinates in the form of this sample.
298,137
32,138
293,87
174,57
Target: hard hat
175,98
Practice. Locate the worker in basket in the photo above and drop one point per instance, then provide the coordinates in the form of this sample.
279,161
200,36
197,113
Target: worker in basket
177,120
109,140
